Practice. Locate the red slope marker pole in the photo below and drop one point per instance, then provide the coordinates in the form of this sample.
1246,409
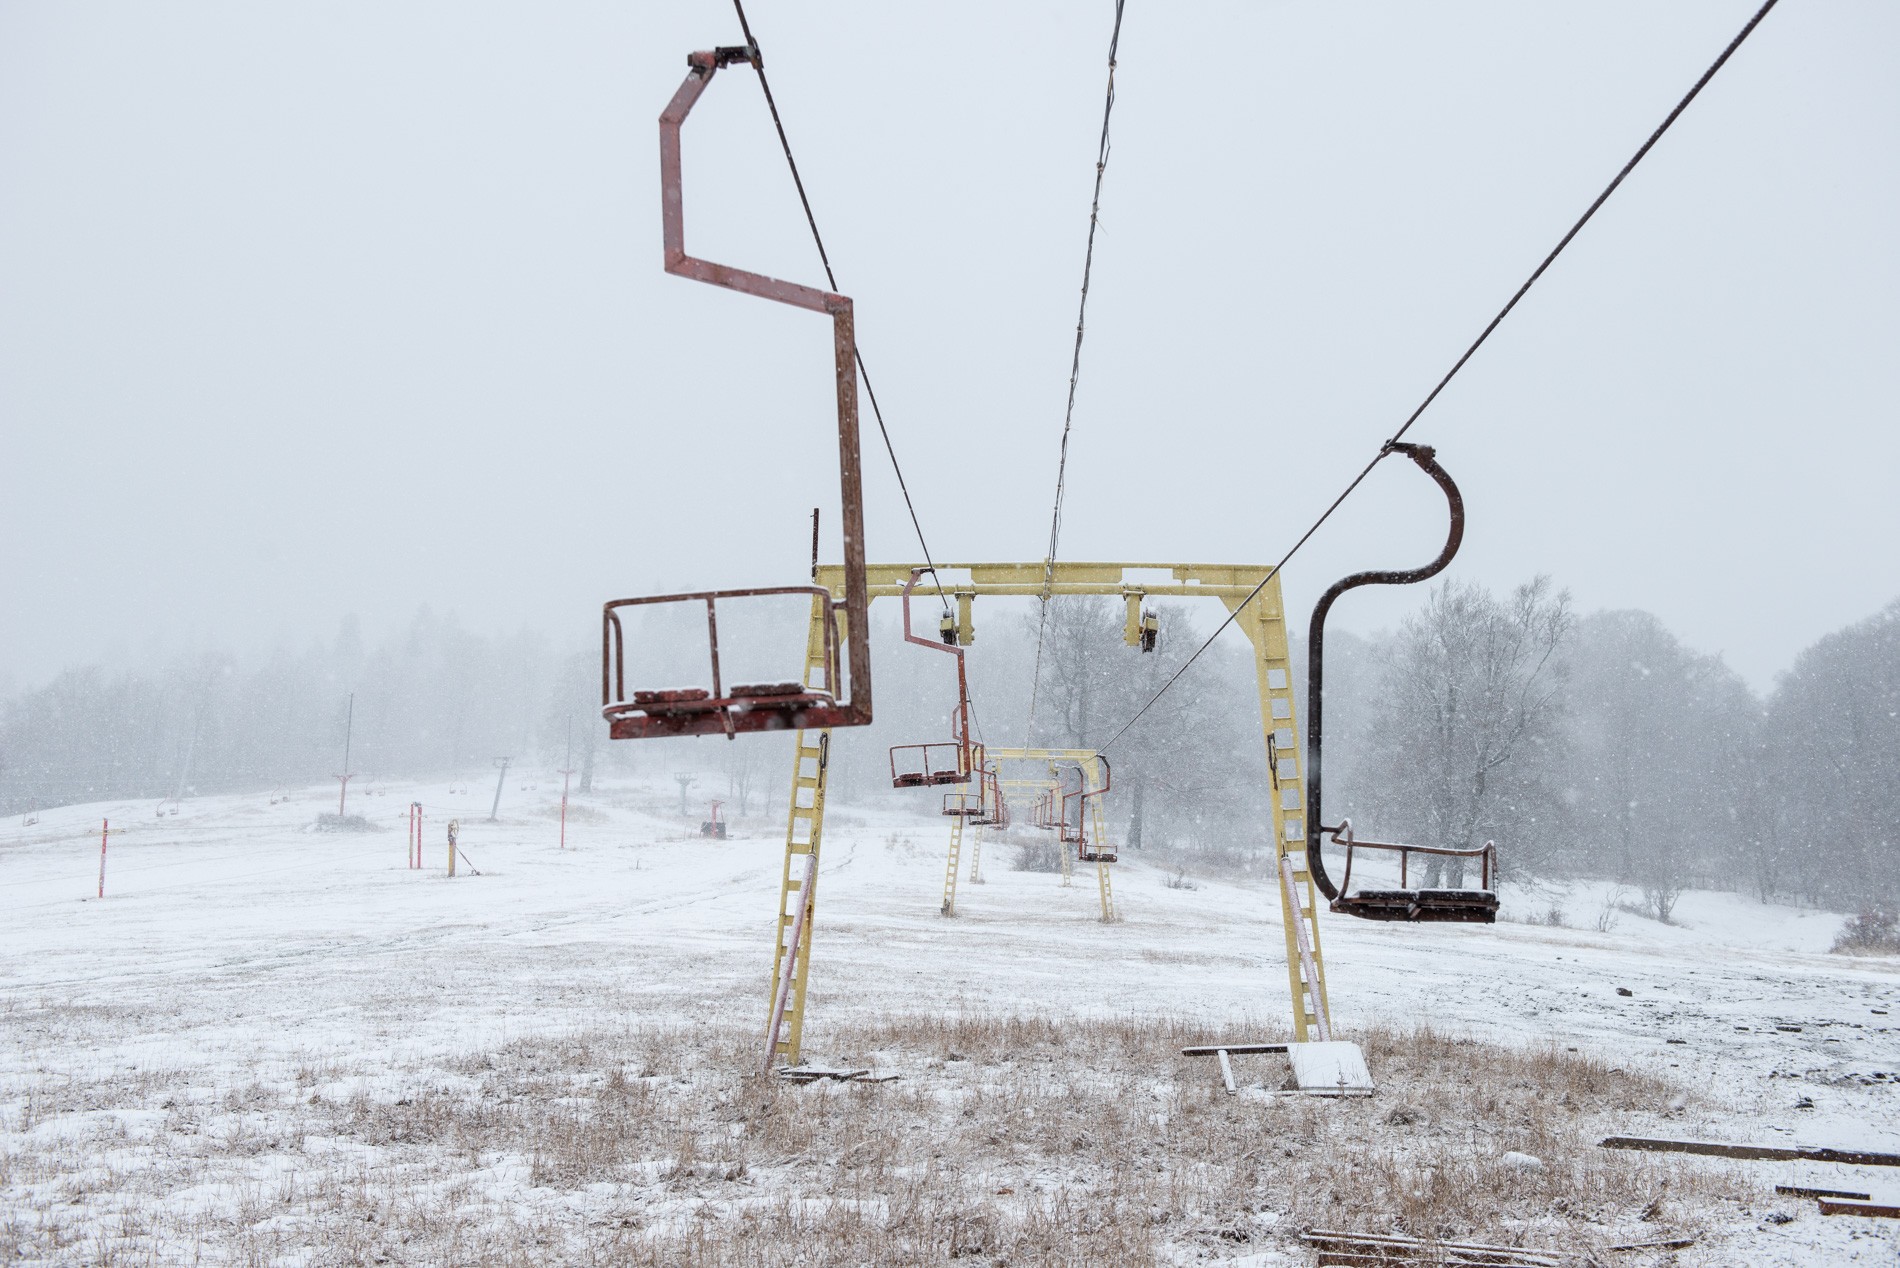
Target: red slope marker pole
565,774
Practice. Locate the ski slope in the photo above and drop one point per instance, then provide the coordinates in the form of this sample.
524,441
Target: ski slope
235,941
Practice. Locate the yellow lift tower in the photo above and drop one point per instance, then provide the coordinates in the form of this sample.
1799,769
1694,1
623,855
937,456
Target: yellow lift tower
1094,782
1262,620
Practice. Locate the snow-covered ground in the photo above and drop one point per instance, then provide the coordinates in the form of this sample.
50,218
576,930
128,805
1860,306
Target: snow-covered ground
236,945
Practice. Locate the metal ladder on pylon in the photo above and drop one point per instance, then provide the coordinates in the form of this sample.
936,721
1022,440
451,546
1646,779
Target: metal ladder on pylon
951,866
1306,971
797,896
1102,881
976,856
1261,616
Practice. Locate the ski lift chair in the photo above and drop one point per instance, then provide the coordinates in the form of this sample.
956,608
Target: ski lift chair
764,706
1460,906
720,710
715,826
966,805
926,765
993,812
1086,850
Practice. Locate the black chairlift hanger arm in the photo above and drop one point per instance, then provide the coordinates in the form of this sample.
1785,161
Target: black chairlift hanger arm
1426,457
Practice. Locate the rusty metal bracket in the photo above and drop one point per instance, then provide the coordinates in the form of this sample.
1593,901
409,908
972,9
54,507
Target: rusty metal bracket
716,712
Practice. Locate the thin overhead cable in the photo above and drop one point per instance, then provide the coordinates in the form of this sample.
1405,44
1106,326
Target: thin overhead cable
1459,364
1075,370
758,64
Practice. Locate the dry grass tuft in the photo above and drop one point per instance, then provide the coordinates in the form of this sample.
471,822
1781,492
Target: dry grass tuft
1008,1140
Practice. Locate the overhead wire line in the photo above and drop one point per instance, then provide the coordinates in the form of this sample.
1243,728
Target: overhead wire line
758,64
1075,374
1459,364
857,351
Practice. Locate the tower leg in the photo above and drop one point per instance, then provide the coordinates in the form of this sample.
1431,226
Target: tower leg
951,865
798,882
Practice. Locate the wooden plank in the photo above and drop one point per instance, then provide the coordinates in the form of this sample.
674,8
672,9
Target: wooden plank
1760,1153
1372,1245
1396,1257
1383,1248
811,1074
1800,1191
1226,1070
1238,1049
1872,1210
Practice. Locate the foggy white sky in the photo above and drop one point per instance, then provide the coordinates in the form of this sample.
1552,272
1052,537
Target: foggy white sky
315,309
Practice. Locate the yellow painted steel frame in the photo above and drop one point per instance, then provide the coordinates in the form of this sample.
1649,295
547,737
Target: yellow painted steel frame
1090,764
1263,621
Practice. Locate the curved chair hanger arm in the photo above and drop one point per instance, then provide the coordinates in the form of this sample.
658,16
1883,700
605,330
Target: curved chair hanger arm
701,68
1426,457
961,720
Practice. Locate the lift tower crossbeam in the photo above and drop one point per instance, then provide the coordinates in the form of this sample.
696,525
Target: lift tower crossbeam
1251,591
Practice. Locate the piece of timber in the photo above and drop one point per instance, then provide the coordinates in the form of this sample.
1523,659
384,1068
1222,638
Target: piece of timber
1871,1210
1801,1191
1385,1248
1232,1049
812,1073
1761,1153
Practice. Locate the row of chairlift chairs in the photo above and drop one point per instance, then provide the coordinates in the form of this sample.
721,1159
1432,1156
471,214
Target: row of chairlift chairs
961,761
816,705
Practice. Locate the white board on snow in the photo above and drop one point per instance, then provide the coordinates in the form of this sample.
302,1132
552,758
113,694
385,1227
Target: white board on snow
1330,1069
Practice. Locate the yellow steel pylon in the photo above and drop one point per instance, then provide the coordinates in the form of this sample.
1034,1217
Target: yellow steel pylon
1263,621
1090,763
798,884
950,866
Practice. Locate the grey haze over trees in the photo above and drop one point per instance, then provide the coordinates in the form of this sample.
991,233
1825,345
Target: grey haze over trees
1466,738
1595,747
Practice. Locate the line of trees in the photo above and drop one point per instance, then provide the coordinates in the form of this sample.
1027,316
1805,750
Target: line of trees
434,700
1603,747
1595,746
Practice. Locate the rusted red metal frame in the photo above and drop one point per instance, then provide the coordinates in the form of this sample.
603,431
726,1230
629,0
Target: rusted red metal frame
1081,795
1342,835
761,715
718,712
960,723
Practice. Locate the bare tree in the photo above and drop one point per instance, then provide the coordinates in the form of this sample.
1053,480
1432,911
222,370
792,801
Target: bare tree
1467,740
1833,736
744,761
1665,741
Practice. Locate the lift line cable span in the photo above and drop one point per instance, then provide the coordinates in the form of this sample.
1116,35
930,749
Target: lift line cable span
1459,364
824,258
1075,372
758,64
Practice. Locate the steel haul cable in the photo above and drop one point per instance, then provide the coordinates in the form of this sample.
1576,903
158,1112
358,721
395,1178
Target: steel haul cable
1075,373
758,64
1459,364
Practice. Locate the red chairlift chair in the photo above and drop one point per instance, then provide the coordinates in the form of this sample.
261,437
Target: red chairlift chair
764,706
929,765
1086,850
715,826
1461,906
994,811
